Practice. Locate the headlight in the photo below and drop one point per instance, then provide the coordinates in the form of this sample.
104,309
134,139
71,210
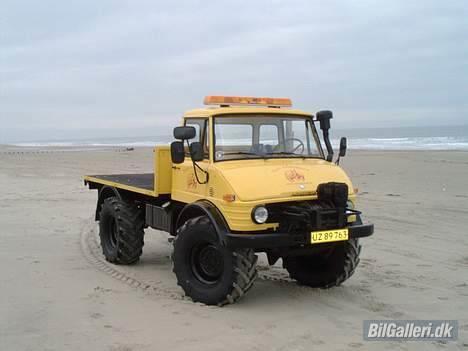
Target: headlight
260,214
350,205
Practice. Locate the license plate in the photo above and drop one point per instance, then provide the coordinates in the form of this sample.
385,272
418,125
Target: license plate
326,236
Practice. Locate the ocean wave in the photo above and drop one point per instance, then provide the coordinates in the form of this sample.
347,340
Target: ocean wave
90,144
389,139
397,143
414,143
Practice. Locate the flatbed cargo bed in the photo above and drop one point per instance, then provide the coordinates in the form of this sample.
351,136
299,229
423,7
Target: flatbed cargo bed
141,183
144,180
152,184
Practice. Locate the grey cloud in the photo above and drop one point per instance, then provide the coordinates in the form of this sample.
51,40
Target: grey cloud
121,64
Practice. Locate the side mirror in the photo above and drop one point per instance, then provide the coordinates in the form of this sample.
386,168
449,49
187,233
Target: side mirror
196,151
177,152
184,133
343,146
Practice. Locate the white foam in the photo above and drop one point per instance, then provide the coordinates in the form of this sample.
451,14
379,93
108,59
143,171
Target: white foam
398,143
413,143
91,144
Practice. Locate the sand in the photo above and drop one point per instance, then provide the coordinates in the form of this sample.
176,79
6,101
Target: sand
57,293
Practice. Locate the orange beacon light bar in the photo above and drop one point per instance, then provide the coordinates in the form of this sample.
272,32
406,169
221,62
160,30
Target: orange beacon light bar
246,100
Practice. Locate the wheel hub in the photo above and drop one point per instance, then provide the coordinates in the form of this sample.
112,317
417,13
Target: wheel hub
207,263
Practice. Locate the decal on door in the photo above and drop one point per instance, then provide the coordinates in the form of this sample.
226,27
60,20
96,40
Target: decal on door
191,182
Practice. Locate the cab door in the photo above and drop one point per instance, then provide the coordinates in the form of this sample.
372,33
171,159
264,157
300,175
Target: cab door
185,185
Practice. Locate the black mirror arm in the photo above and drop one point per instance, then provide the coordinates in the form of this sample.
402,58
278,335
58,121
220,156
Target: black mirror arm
337,162
207,175
195,166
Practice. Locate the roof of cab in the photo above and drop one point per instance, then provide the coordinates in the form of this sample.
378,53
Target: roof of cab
229,110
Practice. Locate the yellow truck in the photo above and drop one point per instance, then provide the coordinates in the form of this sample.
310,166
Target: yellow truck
245,175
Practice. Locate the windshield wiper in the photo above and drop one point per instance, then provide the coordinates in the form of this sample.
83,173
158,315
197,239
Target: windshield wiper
245,153
286,153
281,153
241,153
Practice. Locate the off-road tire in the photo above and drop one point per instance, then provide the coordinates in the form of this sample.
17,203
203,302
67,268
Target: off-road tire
325,270
239,266
121,230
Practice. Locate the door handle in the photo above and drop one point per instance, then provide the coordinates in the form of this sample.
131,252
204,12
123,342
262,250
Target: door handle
175,167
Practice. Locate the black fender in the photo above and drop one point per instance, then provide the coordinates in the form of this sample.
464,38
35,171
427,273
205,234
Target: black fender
205,208
105,192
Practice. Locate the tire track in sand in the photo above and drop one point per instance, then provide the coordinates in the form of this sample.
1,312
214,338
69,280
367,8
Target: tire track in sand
91,250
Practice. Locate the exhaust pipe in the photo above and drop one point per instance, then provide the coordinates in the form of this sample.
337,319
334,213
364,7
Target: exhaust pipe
324,118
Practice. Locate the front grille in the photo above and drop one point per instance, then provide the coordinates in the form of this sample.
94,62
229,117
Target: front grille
305,216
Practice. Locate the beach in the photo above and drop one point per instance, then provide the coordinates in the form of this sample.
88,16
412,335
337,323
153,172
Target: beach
57,292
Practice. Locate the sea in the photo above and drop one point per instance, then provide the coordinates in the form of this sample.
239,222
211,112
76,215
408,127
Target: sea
400,138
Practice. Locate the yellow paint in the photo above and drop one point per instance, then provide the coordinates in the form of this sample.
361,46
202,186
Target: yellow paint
352,219
162,170
253,182
185,188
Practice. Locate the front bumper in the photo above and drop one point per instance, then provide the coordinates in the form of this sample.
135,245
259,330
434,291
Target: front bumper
285,240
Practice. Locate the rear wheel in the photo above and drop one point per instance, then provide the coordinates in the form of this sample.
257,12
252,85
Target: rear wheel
326,269
121,231
207,271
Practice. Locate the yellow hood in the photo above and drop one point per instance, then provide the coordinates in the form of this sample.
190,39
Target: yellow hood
254,180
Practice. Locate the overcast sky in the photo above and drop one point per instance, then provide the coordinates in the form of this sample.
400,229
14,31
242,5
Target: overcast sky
88,68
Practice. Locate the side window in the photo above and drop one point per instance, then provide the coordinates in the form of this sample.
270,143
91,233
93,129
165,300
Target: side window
297,136
198,125
201,135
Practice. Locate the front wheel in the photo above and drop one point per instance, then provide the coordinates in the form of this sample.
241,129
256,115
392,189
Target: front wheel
326,269
208,271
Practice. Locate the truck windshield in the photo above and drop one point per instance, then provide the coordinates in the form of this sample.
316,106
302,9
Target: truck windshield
265,136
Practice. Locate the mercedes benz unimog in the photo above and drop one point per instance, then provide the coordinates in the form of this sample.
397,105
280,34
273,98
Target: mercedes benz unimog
244,175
